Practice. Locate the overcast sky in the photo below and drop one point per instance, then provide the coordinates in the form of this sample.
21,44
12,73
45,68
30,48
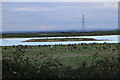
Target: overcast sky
53,16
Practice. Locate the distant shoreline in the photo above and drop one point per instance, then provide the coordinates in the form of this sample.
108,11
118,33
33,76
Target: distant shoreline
46,37
59,34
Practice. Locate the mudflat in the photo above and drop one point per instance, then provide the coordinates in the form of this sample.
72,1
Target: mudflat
64,39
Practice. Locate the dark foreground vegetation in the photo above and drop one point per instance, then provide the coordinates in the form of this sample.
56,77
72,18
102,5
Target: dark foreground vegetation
60,34
17,64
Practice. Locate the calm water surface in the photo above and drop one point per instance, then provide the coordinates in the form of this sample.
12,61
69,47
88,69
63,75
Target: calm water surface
19,41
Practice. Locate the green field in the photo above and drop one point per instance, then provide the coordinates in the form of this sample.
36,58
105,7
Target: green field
68,54
60,34
61,61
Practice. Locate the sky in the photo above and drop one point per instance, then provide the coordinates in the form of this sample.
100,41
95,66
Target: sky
59,0
59,16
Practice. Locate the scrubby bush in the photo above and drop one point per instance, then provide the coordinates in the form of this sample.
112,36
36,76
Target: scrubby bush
16,65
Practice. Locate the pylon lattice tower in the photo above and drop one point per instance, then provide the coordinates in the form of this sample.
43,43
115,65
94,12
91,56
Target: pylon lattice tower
83,22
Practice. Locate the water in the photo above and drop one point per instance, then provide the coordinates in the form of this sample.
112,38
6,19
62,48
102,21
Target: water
19,41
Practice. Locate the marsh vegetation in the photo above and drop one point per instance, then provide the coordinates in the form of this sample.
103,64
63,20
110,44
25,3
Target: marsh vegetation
62,61
64,39
59,34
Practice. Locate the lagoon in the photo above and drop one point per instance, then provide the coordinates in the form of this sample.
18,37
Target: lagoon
19,41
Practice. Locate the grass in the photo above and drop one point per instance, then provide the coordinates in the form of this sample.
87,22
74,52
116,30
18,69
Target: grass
59,34
90,61
77,53
61,61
